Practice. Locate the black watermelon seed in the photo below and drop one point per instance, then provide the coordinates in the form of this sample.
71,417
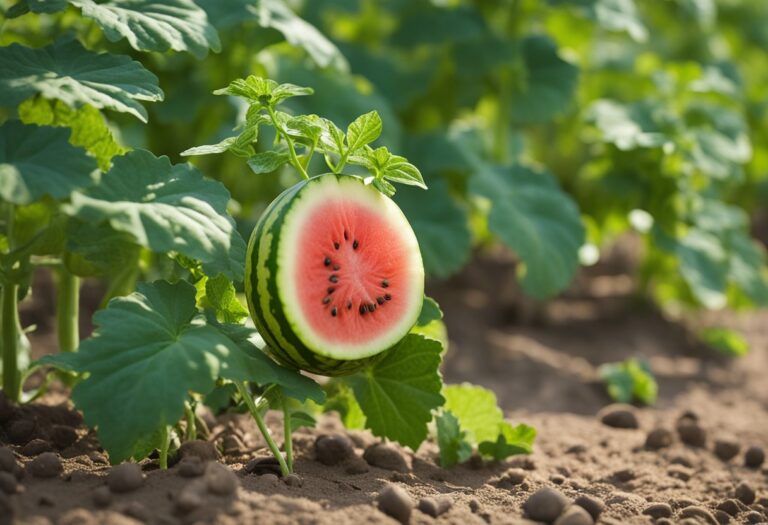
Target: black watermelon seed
336,267
326,300
327,261
380,300
387,297
371,307
385,284
336,245
331,289
363,309
334,278
333,311
349,305
355,244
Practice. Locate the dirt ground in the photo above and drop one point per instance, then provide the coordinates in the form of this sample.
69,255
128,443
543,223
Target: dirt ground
542,363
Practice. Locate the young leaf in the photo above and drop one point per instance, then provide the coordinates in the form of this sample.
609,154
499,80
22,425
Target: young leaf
302,419
166,208
398,393
305,128
36,161
220,297
332,138
727,341
212,149
430,311
383,165
510,441
476,409
363,130
630,380
153,25
452,440
66,71
284,91
262,91
268,161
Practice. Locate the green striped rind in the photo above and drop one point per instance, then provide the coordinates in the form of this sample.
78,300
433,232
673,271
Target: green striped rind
264,303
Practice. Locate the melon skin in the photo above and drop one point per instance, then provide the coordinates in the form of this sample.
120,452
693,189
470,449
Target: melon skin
269,308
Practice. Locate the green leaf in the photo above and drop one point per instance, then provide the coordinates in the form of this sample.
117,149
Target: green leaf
36,161
430,311
341,399
628,126
97,249
153,25
476,408
306,128
510,441
22,7
66,71
548,85
147,353
302,419
630,380
729,342
220,297
398,393
332,139
384,165
262,91
166,208
211,149
704,266
452,440
268,161
441,226
88,125
613,15
363,130
534,217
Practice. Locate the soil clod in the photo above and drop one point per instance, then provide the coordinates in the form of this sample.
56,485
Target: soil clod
435,506
619,416
395,502
730,506
8,483
386,456
125,478
727,449
102,497
21,431
333,449
220,480
546,504
188,500
591,504
699,514
574,515
658,438
745,493
658,510
46,465
293,480
7,460
190,467
754,457
205,450
63,436
691,433
356,466
35,447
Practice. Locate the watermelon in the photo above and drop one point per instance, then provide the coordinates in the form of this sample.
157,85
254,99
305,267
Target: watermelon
334,275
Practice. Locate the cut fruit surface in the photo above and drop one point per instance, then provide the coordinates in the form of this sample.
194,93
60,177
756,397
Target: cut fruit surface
334,275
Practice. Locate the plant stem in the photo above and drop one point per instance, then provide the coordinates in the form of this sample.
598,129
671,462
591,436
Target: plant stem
9,317
68,310
289,141
288,434
189,415
165,443
243,390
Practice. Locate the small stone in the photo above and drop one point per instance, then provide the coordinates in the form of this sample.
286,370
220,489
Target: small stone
386,456
624,475
658,438
474,506
188,500
125,478
574,515
700,514
46,465
691,433
619,416
435,506
35,447
293,480
220,480
754,457
515,476
102,497
726,449
265,465
21,431
557,479
730,506
753,517
8,483
578,448
135,510
7,460
63,436
190,467
683,460
355,466
395,502
658,510
205,450
333,449
545,504
591,504
679,472
745,493
722,517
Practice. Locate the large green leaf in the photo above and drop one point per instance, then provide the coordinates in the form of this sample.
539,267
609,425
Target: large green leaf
534,217
37,161
154,25
399,392
613,15
22,7
66,71
166,208
476,409
628,126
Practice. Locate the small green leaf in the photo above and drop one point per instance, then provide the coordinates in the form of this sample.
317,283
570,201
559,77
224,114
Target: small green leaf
306,128
363,130
510,441
166,208
284,91
220,297
66,71
476,408
430,311
302,419
630,380
332,138
384,187
268,161
212,149
153,25
261,91
398,393
727,341
36,161
452,440
383,164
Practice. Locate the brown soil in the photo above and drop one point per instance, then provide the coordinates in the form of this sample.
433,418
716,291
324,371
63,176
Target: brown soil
542,363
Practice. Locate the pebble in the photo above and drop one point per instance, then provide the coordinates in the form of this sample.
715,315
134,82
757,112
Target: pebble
395,502
683,460
46,465
125,478
190,467
7,460
658,438
545,504
624,475
220,480
435,506
8,483
679,472
619,416
21,431
356,466
726,449
691,433
753,517
205,450
745,493
700,514
386,456
63,436
591,504
475,506
574,515
35,447
266,465
722,517
557,479
730,506
188,500
102,497
332,450
658,510
754,457
293,480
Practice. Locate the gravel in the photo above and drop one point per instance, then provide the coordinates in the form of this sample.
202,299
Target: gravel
546,504
395,502
386,456
333,449
619,416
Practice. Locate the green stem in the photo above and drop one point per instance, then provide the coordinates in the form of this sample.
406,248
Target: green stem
289,141
243,390
9,319
288,434
165,444
68,310
189,415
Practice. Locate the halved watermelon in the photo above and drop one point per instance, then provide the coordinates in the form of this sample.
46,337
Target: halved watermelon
334,275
